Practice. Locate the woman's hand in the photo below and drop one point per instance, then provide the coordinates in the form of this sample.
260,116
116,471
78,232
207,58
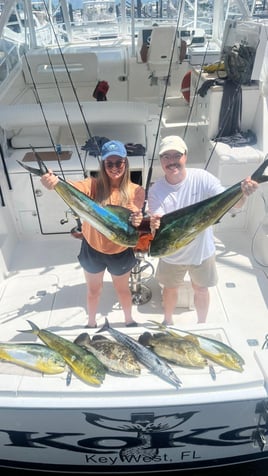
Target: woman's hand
136,218
49,180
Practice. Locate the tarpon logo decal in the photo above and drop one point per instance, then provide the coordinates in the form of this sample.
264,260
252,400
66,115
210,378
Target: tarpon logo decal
145,425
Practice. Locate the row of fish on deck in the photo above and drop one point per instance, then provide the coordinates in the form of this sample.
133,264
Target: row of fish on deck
90,358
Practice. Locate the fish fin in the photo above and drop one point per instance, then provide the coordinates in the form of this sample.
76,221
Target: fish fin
258,174
34,330
105,326
121,212
69,377
33,325
42,170
212,372
32,170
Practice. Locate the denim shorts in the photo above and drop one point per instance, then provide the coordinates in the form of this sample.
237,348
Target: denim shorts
94,261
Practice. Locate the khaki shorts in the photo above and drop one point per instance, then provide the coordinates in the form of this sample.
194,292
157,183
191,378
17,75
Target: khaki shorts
172,275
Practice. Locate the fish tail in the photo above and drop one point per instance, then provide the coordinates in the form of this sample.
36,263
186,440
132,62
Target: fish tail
34,330
105,326
42,170
258,175
160,326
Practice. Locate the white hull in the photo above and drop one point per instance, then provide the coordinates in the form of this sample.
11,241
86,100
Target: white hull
140,423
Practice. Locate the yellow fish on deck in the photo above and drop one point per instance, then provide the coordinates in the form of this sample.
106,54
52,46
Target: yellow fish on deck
212,349
84,364
36,357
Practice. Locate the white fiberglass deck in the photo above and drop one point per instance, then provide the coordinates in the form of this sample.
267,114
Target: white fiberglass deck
46,285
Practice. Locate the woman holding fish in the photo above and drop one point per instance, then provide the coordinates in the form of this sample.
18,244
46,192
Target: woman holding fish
111,187
181,187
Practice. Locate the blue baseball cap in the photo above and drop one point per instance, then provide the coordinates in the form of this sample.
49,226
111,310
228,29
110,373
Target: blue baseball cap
113,147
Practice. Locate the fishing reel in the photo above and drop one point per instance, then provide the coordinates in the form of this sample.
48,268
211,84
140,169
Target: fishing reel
76,231
141,273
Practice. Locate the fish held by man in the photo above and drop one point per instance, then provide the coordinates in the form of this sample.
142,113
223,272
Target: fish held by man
37,357
212,349
180,227
117,358
83,364
148,358
112,221
182,352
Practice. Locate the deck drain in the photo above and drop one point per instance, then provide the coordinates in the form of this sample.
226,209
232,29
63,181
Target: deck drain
230,285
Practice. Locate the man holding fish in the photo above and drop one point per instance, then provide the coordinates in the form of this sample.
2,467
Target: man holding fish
111,187
178,188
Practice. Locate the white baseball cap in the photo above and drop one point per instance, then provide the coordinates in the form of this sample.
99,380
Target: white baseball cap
173,143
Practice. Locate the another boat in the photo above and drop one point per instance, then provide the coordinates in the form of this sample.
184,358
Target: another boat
146,55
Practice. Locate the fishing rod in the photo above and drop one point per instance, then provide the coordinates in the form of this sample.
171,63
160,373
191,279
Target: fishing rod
71,81
43,113
150,171
78,221
66,114
195,92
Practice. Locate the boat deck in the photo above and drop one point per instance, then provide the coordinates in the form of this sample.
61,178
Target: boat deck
46,285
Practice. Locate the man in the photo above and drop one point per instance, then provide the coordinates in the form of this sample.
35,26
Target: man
180,187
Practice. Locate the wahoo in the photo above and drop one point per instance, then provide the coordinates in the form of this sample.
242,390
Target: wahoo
112,221
180,227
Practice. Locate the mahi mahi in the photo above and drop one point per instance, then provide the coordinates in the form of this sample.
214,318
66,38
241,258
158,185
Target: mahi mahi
180,227
36,357
84,364
212,349
148,358
114,356
112,221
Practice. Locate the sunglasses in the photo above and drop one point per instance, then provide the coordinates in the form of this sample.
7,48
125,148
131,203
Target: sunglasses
117,164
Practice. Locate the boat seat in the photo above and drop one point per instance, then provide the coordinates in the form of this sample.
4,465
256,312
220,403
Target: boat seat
124,121
160,50
232,164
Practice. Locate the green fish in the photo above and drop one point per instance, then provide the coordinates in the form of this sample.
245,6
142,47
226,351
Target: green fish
180,227
180,351
33,356
212,349
112,221
82,363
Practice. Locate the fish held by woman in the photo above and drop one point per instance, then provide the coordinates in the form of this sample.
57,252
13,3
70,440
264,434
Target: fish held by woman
180,351
212,349
114,356
83,364
37,357
180,227
112,221
148,358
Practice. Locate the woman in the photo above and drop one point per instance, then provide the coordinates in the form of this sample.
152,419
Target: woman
111,187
